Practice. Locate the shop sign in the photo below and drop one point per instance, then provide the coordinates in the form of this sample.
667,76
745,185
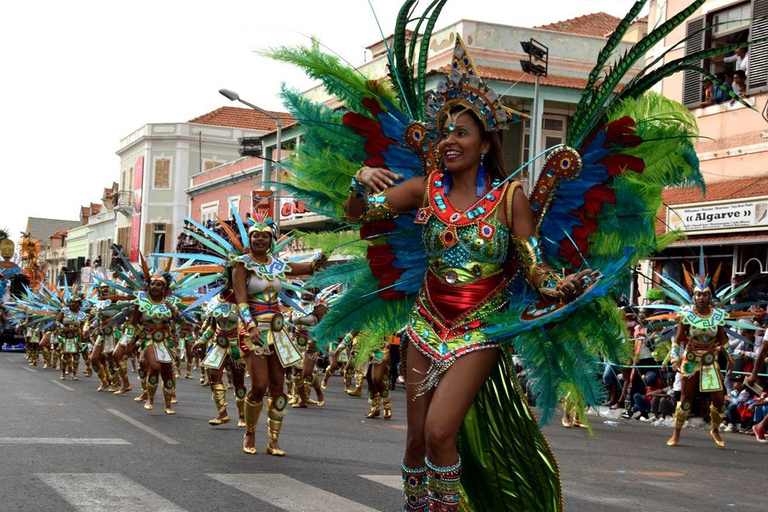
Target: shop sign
743,215
291,209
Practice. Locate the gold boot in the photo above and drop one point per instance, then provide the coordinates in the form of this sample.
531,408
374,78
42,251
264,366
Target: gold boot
358,391
169,394
143,383
326,376
240,403
219,392
318,391
716,417
122,368
275,415
188,369
375,411
74,364
682,411
151,390
347,381
102,374
251,413
46,358
301,390
386,404
65,359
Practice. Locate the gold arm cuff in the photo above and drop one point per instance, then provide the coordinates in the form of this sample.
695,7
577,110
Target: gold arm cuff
537,275
376,208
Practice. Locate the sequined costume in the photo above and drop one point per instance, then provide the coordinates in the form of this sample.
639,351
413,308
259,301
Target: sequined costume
105,336
69,334
223,333
466,280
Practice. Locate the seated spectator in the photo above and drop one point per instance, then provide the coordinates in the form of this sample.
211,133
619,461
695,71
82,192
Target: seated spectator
612,380
663,402
760,409
709,92
643,402
737,401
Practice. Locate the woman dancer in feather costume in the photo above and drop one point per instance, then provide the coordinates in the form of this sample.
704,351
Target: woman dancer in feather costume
455,250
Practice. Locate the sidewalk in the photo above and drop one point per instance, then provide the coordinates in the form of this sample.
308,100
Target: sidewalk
615,414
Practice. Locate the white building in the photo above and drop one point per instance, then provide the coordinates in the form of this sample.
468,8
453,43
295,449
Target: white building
157,162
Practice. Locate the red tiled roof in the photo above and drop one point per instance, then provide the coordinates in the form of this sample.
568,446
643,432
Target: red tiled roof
59,233
243,118
515,75
597,24
730,189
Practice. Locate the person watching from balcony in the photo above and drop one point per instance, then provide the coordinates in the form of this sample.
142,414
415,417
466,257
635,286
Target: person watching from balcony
718,94
740,60
740,83
709,92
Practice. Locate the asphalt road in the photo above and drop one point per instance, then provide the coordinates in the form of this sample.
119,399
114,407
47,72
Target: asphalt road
67,448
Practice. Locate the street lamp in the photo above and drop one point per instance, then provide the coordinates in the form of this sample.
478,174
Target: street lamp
537,65
233,96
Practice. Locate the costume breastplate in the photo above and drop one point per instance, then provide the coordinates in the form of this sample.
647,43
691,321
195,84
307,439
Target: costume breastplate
702,330
466,245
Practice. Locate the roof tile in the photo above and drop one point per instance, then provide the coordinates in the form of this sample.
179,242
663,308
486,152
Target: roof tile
598,24
243,118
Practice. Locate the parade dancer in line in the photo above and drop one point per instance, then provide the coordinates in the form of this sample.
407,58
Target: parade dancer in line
249,260
69,332
701,323
102,331
151,329
223,333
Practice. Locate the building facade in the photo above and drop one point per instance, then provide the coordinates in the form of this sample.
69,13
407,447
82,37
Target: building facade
728,219
157,162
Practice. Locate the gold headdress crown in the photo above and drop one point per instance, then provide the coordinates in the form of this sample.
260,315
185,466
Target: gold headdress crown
464,88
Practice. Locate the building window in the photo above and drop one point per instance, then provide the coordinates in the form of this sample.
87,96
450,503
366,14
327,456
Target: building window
210,164
553,130
236,202
158,237
162,177
736,24
208,212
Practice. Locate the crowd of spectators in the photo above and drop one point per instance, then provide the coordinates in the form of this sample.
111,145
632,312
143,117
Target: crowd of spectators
647,389
728,81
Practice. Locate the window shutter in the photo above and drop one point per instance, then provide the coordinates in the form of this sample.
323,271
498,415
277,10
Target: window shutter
162,172
169,240
692,90
757,76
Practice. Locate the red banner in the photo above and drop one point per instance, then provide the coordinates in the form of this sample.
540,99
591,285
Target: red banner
138,180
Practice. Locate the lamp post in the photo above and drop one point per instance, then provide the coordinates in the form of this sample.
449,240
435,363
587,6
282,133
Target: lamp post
538,65
233,96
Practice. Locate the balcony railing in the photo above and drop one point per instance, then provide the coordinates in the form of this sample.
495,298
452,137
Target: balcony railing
123,200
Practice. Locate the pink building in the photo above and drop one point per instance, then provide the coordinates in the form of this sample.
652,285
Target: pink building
731,219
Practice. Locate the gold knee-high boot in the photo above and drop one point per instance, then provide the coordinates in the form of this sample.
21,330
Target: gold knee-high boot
143,383
102,374
375,401
219,392
74,364
56,358
682,411
358,391
151,390
275,412
386,401
169,394
240,402
65,358
716,417
46,357
251,413
123,370
188,368
318,390
326,376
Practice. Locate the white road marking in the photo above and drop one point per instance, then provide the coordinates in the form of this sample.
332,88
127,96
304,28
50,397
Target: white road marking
143,427
289,494
105,492
59,440
30,369
393,481
63,385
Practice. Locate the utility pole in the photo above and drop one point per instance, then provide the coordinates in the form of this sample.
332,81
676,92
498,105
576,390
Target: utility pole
537,65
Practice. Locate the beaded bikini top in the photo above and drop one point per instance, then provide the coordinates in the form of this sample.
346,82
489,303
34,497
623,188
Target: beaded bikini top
471,239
